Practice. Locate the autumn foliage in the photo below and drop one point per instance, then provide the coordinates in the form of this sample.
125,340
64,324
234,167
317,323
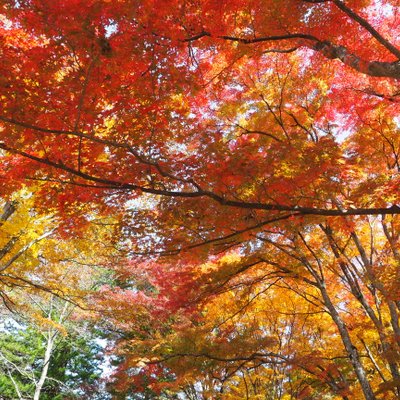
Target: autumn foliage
240,160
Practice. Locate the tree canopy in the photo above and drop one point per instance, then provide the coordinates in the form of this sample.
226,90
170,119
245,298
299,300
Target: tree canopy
235,165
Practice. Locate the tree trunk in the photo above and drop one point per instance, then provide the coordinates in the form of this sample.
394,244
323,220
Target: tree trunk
350,348
46,363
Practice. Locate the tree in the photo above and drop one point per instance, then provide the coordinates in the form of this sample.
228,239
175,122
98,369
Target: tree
46,281
38,259
300,309
125,124
40,362
264,130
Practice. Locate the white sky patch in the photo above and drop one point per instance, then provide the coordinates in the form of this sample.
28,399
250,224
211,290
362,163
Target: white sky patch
111,28
144,202
5,22
340,128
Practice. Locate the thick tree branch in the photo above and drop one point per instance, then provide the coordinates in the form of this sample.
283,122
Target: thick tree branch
328,49
361,21
24,249
8,211
365,24
371,68
201,193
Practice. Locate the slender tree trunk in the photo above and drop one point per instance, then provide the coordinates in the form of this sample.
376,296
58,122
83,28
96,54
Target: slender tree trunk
350,348
46,362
